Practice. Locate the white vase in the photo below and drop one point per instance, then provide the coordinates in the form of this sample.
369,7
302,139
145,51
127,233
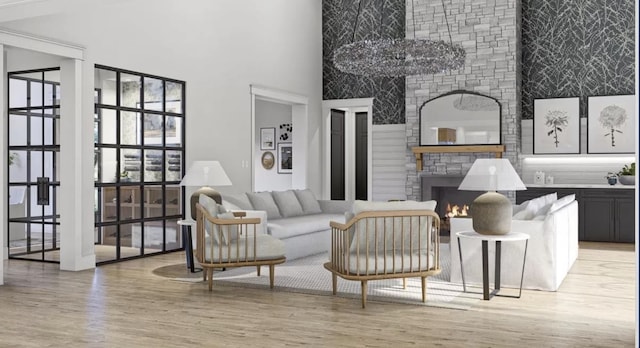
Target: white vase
627,179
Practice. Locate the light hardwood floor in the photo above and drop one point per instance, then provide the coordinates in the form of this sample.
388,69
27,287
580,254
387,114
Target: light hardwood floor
126,305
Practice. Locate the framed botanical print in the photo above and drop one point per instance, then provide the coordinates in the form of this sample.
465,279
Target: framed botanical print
556,125
611,124
267,138
285,158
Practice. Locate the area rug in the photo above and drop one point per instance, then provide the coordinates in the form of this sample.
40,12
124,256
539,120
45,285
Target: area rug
308,276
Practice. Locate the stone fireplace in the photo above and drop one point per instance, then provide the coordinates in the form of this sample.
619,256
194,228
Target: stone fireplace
489,36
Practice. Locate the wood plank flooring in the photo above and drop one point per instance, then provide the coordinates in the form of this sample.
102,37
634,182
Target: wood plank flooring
126,305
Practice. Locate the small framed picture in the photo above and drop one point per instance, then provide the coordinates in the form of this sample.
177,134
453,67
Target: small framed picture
267,160
285,158
556,125
611,124
267,138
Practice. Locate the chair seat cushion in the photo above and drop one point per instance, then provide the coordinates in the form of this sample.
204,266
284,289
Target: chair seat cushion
389,263
242,249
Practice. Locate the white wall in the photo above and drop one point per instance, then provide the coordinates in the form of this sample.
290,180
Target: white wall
219,48
271,115
389,173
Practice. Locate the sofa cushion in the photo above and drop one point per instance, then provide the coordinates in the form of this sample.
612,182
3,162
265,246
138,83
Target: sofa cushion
237,202
308,201
287,203
264,201
299,225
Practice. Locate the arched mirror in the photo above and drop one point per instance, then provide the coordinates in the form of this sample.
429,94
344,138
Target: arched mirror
460,118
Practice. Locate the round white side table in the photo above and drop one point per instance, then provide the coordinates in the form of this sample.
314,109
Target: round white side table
498,239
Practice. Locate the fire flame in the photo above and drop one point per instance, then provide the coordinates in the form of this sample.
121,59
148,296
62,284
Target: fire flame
455,210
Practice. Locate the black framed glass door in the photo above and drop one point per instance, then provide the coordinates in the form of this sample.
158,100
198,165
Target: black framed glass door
139,149
34,147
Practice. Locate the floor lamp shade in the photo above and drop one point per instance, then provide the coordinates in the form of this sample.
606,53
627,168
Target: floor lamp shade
205,174
491,211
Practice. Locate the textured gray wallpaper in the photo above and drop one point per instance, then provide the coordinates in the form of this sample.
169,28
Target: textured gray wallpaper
576,48
378,18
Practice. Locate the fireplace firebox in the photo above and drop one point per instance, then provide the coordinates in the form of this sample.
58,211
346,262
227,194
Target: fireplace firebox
451,201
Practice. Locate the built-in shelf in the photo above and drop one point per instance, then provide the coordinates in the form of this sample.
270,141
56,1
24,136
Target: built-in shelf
418,151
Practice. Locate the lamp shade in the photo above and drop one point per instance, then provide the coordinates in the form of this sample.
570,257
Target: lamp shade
492,174
205,173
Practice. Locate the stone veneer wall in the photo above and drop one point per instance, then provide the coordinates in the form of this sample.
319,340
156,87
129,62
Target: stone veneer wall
488,30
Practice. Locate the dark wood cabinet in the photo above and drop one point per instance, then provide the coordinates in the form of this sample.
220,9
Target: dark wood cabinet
605,215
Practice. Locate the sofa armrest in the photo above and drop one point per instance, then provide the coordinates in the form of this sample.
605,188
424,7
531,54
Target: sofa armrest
334,207
260,214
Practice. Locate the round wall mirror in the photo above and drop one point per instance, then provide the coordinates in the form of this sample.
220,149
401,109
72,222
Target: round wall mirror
460,118
268,160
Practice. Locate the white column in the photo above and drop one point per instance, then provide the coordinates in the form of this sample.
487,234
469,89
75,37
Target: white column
75,200
3,160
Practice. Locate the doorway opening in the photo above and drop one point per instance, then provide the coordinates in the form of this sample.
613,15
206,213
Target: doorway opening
347,159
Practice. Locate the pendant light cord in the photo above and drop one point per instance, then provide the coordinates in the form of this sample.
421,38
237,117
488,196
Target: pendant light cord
355,27
447,21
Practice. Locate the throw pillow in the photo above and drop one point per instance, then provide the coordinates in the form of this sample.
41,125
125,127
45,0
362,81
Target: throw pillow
212,208
288,203
363,235
229,232
264,201
550,198
360,206
308,201
562,202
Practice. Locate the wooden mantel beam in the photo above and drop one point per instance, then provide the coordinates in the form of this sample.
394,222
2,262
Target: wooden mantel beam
418,151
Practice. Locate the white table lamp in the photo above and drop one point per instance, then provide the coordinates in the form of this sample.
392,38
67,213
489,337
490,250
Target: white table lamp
491,211
205,174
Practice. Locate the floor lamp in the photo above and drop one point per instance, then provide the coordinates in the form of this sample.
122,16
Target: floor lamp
491,211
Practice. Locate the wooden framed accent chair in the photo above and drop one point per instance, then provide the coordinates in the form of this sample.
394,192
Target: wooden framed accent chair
225,239
383,240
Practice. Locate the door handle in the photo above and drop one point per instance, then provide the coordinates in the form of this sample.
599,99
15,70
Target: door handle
43,191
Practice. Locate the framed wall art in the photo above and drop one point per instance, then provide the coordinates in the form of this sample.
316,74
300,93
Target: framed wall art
285,158
556,125
611,124
267,138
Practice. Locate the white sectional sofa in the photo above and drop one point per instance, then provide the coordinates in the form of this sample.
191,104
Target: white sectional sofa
296,217
552,225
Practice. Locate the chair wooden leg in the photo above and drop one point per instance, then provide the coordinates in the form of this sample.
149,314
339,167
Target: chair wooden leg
271,274
335,283
210,275
364,293
204,274
404,283
424,289
258,270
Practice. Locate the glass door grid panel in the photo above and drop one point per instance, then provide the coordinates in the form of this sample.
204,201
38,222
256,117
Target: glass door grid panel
139,151
33,143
